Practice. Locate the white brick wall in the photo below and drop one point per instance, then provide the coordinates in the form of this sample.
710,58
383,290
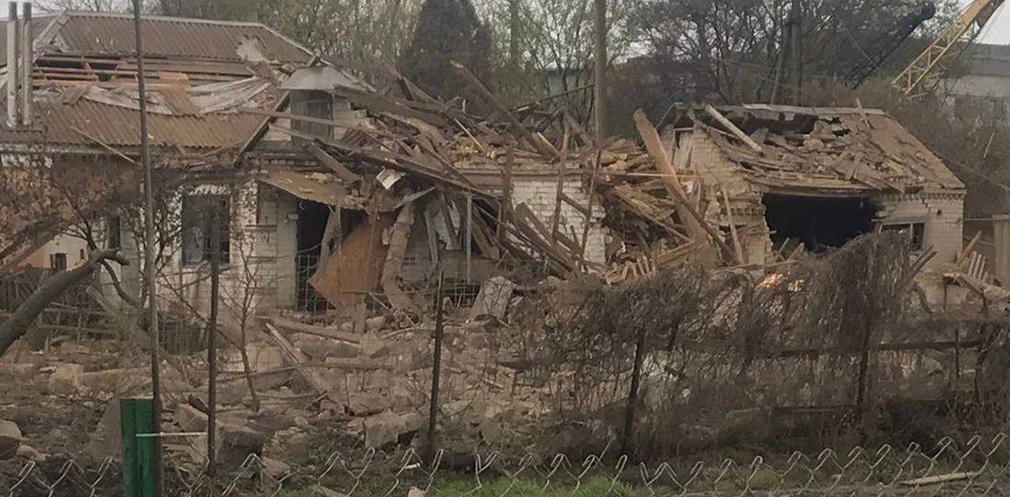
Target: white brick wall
261,236
942,213
540,194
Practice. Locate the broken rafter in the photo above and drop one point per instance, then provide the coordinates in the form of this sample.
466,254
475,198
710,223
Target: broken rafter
327,160
517,126
307,119
396,162
685,210
732,128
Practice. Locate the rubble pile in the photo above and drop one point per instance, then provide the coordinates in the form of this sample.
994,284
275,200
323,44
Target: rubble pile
309,388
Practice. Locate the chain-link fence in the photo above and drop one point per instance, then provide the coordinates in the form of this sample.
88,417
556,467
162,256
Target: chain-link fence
979,465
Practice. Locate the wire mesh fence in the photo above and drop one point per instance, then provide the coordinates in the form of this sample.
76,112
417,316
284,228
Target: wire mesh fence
979,465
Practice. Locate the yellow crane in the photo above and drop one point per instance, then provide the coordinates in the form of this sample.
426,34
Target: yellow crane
925,72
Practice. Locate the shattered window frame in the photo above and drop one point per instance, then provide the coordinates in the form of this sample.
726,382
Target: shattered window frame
58,262
915,229
196,239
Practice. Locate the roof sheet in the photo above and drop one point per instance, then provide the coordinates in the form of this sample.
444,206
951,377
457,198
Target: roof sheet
88,123
68,114
111,34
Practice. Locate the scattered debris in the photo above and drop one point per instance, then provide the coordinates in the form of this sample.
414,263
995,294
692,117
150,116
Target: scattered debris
493,299
10,439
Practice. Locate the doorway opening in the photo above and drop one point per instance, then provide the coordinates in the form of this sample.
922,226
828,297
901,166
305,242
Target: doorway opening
313,218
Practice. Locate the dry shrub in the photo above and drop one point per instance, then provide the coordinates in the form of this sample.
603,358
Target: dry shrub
712,341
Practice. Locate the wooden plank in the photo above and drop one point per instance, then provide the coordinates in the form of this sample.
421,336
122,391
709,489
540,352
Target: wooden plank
963,254
297,358
351,363
560,187
396,162
685,210
384,103
885,347
589,209
484,237
468,241
505,206
587,139
136,418
737,132
517,126
575,205
937,479
327,160
737,247
319,331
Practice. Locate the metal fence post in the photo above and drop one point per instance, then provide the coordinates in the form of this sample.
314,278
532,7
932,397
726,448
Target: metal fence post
136,418
436,369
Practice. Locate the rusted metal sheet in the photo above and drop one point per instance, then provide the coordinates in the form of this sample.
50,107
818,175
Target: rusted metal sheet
178,100
317,187
324,188
355,269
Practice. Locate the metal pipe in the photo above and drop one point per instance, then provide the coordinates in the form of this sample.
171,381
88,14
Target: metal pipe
12,64
436,372
27,65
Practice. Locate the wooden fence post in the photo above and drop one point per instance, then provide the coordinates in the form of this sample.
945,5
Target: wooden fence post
627,442
1001,247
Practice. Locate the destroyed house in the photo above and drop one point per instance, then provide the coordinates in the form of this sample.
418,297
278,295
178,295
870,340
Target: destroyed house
329,189
785,179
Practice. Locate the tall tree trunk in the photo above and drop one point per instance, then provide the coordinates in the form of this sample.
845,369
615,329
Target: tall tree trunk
514,33
21,320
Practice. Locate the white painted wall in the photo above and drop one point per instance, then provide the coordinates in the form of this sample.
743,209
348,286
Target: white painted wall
942,213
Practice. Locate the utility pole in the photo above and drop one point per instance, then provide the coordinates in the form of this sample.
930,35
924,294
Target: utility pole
215,286
149,261
601,71
790,50
796,24
785,38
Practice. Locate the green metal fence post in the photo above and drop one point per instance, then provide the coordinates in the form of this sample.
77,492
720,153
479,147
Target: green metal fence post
138,452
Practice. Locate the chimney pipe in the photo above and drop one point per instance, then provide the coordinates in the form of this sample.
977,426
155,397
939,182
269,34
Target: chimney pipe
12,64
27,63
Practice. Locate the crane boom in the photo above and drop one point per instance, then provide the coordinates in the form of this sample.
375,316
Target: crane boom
929,67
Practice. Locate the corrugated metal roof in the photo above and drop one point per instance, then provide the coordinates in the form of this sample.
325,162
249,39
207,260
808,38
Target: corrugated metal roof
58,124
113,34
118,126
168,40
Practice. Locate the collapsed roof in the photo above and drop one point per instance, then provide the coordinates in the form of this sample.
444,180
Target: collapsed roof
199,73
834,151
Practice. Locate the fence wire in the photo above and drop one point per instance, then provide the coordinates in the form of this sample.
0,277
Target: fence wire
977,466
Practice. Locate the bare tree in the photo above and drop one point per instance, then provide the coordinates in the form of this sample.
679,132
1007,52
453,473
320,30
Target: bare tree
729,49
85,5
